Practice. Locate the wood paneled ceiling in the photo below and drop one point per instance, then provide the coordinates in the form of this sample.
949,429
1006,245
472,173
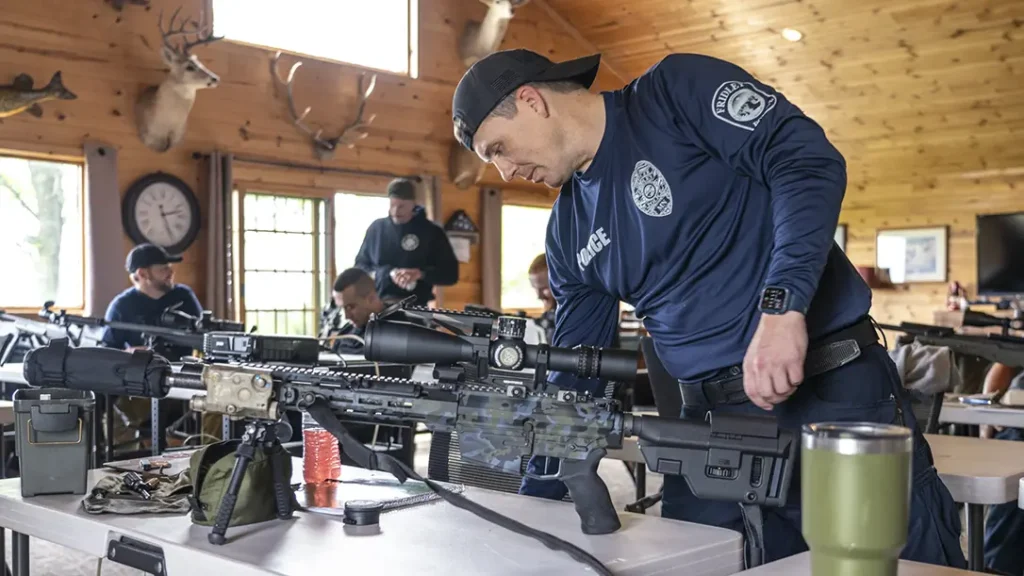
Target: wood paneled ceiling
910,90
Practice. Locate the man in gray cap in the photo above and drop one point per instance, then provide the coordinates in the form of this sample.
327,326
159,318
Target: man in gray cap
406,253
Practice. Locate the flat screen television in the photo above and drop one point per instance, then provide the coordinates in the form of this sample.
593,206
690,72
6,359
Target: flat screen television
1000,244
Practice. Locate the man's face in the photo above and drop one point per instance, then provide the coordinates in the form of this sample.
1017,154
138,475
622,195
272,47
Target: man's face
159,277
539,281
401,210
530,145
357,308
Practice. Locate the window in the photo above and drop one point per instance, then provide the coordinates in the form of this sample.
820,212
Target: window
523,229
353,214
380,34
284,273
41,233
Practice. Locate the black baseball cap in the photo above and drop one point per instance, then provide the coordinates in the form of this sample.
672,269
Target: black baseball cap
146,255
496,76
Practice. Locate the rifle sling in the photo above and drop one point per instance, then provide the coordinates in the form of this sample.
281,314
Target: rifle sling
371,460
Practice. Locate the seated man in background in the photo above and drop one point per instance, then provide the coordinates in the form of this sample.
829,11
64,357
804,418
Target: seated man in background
539,280
355,294
1004,526
406,253
153,291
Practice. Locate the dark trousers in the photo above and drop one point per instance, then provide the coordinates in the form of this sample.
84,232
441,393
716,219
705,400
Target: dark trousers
865,390
1004,528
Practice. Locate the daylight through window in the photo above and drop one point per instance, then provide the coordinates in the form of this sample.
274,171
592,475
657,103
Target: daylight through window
523,229
41,230
378,34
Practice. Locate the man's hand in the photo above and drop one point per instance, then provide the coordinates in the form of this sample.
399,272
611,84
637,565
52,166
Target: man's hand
405,277
774,364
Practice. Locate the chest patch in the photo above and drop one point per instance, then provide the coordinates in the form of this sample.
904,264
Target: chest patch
410,242
651,192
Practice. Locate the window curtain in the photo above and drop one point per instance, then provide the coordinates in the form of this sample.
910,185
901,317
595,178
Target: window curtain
105,275
219,265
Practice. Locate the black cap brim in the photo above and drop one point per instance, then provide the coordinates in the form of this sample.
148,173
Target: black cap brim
582,70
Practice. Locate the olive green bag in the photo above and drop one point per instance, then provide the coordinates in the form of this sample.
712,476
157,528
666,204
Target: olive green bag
211,468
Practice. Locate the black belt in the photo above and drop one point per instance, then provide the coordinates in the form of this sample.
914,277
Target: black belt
828,353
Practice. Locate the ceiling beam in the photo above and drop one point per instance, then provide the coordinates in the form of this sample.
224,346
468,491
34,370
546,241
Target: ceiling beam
579,37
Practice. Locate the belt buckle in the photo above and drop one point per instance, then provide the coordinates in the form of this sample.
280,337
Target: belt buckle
713,388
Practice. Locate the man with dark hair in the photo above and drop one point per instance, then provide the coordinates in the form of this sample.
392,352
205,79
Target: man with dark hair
538,272
406,253
709,202
355,294
153,291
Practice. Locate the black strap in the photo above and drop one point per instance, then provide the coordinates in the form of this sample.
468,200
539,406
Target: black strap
367,458
753,522
828,353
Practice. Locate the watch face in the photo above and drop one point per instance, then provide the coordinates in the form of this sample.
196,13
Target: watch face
773,300
162,214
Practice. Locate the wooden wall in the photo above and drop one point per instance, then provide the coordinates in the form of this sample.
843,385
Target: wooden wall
107,57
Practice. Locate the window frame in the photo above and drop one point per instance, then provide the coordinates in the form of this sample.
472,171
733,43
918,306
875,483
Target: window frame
63,158
412,40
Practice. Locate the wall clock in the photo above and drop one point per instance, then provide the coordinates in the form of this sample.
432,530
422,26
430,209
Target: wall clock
161,209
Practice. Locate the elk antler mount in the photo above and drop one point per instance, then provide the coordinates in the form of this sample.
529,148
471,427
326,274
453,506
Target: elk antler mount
354,131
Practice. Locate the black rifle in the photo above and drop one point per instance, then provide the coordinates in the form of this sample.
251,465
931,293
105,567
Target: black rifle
1008,350
27,334
177,328
500,415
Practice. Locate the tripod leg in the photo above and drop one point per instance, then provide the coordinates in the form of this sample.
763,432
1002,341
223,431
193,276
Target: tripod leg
282,488
227,505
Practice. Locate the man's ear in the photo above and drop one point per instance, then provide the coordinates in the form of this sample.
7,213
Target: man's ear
530,97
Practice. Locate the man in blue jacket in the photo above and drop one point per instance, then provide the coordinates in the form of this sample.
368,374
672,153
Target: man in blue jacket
709,202
406,253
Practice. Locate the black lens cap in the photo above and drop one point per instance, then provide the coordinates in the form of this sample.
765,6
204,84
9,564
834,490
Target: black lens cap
362,512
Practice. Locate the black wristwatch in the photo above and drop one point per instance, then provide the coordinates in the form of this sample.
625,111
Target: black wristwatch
775,300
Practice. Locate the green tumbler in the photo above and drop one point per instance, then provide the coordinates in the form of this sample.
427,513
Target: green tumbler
855,484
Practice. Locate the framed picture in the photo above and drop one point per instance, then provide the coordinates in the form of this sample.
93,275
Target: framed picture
841,236
913,255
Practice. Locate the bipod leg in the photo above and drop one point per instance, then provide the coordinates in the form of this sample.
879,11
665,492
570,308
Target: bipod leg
255,434
282,485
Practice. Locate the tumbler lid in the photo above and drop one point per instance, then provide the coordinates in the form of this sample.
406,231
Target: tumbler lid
857,438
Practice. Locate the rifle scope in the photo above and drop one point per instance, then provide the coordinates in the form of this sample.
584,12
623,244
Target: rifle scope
406,343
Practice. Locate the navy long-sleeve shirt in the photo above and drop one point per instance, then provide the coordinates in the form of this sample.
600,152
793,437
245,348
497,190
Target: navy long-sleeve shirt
707,186
134,307
419,243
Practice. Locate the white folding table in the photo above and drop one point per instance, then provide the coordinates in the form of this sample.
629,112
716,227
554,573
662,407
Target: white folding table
432,538
800,565
996,415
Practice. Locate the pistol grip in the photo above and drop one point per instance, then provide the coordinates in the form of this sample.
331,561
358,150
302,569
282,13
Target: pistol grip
589,494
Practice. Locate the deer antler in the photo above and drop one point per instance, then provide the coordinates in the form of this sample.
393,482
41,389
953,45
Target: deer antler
197,28
355,130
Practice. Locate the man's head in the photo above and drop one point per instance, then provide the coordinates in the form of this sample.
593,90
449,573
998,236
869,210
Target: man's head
402,193
539,281
149,267
511,108
356,295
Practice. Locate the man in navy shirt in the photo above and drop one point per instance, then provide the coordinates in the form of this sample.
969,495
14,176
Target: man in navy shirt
153,291
406,253
709,202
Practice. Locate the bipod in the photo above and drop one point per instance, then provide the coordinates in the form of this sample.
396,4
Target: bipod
263,434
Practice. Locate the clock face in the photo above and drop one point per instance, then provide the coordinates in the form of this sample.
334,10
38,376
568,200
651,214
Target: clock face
163,214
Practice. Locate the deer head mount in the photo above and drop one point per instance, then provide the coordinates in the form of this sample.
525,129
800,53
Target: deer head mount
162,111
482,38
355,130
464,167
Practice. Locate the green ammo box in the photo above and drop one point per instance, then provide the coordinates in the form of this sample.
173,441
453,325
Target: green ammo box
53,439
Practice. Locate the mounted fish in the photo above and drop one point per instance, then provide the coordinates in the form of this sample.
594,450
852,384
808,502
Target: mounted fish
19,96
161,112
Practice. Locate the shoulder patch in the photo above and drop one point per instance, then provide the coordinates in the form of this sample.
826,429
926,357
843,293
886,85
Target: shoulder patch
741,104
651,192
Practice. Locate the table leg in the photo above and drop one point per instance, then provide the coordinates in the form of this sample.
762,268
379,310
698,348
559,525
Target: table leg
3,553
641,480
19,553
975,536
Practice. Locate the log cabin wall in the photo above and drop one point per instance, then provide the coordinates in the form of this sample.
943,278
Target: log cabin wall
106,57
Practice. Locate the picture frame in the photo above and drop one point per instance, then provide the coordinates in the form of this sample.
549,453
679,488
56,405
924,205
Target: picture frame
840,236
913,254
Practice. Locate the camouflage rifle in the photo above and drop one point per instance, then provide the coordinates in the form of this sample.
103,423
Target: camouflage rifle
500,416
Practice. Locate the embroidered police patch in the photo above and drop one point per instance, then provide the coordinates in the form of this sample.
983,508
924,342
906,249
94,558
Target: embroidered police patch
742,104
651,192
410,242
